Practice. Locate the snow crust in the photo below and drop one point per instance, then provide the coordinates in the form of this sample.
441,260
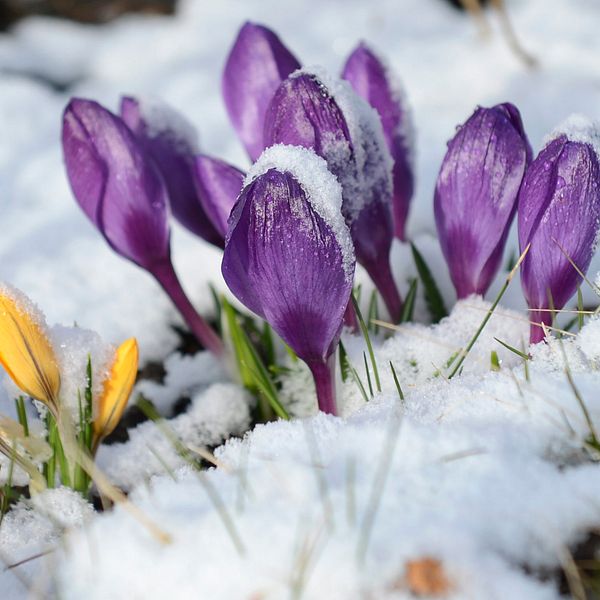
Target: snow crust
579,128
322,189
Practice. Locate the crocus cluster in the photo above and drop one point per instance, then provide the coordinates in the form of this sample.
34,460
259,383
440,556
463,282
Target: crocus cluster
488,176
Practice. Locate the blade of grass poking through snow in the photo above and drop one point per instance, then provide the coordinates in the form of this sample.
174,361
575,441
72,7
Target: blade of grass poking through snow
494,361
513,349
464,353
217,303
397,382
409,302
253,373
7,491
367,337
373,313
22,415
433,298
344,364
580,308
368,374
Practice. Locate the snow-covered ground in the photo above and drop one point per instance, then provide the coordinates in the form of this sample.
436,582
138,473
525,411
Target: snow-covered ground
485,473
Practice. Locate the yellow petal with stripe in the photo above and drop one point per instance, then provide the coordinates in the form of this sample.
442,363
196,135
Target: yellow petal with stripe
25,351
117,389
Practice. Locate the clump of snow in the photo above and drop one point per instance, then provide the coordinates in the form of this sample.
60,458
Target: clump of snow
578,128
321,187
161,119
215,414
184,374
72,347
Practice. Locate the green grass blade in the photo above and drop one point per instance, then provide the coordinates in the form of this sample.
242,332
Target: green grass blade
367,337
409,302
373,312
513,349
433,298
22,414
368,374
344,364
397,382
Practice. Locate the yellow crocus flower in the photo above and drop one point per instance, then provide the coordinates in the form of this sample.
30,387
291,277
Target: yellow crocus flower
25,351
116,391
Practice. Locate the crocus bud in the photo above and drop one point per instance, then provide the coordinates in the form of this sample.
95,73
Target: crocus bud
372,80
25,350
314,111
257,64
171,141
116,390
218,184
559,216
120,189
476,194
289,256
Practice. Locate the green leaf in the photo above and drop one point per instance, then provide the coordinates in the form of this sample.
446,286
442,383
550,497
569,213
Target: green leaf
513,349
409,303
373,312
433,298
494,361
365,333
398,388
344,364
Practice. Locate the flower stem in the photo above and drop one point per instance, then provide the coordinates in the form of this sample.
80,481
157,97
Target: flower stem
324,376
536,332
166,276
383,279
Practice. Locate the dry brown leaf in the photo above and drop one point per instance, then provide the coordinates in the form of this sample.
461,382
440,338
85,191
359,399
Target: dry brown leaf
426,577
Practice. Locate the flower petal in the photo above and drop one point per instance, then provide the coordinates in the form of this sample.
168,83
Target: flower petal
218,184
117,389
480,175
171,141
116,183
288,256
25,352
257,64
371,80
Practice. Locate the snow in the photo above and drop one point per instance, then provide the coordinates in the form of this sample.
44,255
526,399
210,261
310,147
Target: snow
487,471
322,189
579,128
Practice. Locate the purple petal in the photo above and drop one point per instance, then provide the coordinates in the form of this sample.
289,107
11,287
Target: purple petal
257,64
559,213
116,183
218,184
170,141
286,260
476,195
313,111
371,80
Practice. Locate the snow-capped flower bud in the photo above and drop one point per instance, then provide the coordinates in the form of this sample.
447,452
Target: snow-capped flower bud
257,64
119,187
372,80
171,141
312,110
559,216
289,256
25,350
218,184
476,194
116,390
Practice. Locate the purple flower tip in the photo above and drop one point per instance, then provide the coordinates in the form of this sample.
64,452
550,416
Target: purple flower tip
313,110
115,183
256,65
172,143
476,194
372,80
289,257
218,184
559,216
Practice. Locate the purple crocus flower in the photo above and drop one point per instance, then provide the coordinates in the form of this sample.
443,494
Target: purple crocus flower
372,80
289,257
257,64
218,184
559,216
317,112
171,142
120,189
476,194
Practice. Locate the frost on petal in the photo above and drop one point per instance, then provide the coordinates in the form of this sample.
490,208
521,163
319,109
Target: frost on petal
218,185
125,197
373,81
257,64
476,195
559,213
283,257
172,142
